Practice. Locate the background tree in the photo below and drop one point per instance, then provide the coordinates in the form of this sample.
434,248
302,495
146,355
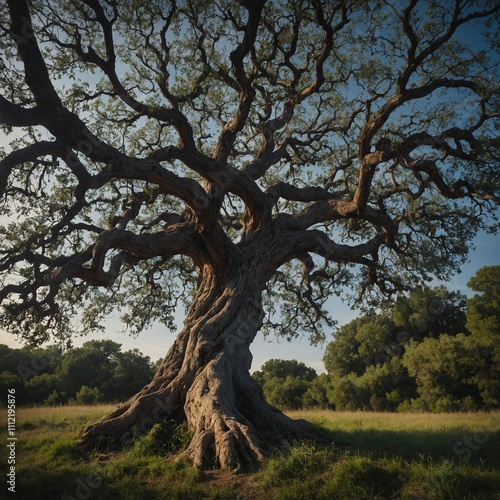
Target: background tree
283,368
483,318
418,354
50,376
428,312
251,158
91,365
365,360
316,394
285,382
453,373
483,309
88,396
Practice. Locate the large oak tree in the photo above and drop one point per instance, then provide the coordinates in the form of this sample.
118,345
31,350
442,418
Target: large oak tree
251,158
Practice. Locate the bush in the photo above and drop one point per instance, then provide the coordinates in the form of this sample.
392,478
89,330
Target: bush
87,396
55,399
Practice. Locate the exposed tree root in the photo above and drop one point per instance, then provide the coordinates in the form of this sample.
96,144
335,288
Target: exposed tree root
233,425
205,380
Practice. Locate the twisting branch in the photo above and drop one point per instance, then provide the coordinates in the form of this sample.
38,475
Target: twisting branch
243,136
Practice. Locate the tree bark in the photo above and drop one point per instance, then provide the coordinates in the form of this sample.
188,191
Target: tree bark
205,380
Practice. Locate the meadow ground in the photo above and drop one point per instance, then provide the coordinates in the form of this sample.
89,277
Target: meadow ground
357,456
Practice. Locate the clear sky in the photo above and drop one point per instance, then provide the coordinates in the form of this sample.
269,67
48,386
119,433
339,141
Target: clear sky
156,341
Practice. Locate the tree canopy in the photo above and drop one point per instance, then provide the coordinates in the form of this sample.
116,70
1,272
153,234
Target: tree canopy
285,382
483,309
96,372
157,138
419,354
249,159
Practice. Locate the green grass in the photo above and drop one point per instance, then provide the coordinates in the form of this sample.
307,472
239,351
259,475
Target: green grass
471,437
356,456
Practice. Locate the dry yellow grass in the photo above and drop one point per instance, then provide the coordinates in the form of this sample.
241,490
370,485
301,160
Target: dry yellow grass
61,413
61,420
402,421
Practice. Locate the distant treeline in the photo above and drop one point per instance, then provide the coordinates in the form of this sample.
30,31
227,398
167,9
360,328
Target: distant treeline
97,372
431,351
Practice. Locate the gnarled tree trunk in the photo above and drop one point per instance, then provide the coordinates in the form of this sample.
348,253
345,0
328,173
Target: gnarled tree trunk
205,379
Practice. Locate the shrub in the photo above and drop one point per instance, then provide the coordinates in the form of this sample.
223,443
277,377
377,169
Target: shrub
87,396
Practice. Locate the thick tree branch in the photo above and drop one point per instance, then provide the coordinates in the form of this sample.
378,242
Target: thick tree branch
261,134
36,73
14,115
176,239
306,194
29,153
227,136
334,210
317,242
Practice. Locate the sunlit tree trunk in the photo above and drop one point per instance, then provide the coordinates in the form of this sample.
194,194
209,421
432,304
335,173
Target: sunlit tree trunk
205,380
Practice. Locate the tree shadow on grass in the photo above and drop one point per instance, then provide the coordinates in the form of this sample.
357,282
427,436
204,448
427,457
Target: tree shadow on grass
72,484
454,444
37,482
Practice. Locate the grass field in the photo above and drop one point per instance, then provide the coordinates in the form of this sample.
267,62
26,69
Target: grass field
361,456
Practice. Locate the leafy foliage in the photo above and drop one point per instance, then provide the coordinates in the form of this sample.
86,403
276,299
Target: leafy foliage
318,145
454,373
96,372
418,354
285,382
483,309
281,368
